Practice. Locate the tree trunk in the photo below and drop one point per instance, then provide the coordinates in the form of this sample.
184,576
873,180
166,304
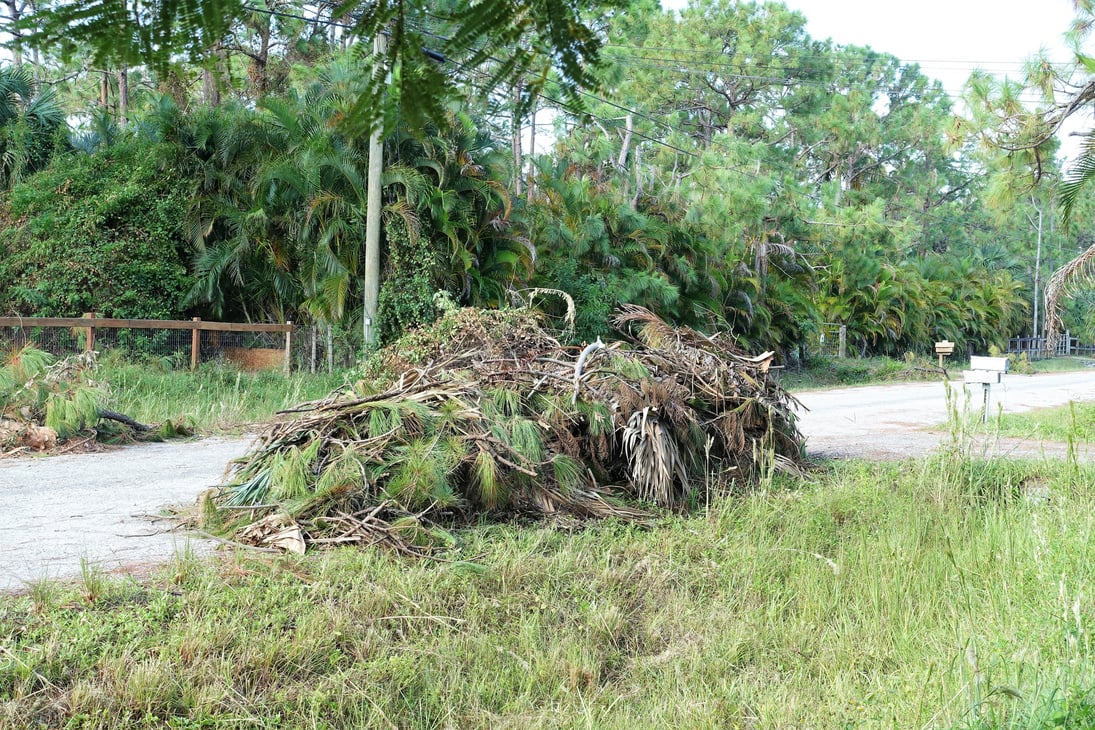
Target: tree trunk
628,131
123,95
211,92
371,276
15,13
516,135
330,349
260,63
531,146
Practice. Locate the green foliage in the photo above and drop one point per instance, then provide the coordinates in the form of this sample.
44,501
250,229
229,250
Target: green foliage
407,298
715,188
96,233
37,390
512,41
73,409
30,122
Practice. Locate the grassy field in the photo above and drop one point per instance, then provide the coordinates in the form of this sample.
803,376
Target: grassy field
215,399
936,593
1075,421
832,372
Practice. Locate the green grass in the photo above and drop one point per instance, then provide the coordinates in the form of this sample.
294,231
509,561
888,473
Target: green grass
1075,421
830,372
216,398
935,593
1062,364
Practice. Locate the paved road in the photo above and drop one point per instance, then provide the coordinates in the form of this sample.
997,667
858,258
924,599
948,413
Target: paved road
893,421
56,511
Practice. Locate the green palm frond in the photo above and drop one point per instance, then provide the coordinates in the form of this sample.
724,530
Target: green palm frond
570,474
1078,177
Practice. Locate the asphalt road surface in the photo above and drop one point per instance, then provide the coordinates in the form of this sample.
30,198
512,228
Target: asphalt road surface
897,421
58,511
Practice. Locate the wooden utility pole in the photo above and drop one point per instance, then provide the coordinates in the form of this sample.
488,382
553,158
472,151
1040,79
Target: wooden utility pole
371,285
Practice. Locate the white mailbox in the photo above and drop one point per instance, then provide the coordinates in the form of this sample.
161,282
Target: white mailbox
992,364
987,371
986,377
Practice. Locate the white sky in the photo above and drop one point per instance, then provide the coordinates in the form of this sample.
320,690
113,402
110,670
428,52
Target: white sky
947,38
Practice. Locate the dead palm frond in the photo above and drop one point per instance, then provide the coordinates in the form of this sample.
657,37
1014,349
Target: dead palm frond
653,458
1077,271
488,421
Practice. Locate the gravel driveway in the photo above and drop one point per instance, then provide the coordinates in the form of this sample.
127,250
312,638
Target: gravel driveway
100,507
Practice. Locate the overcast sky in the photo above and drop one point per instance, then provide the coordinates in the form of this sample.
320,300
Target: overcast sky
947,38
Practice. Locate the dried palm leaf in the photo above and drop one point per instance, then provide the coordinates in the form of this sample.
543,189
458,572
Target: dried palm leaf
1075,272
653,458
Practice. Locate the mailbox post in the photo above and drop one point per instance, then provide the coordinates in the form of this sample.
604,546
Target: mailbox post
986,371
943,349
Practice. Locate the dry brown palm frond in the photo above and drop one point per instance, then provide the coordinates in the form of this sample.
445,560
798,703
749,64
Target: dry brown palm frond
571,312
1071,274
652,329
654,460
730,428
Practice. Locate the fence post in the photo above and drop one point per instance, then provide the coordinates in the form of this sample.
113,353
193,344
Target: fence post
842,349
89,340
330,349
195,343
289,347
1068,342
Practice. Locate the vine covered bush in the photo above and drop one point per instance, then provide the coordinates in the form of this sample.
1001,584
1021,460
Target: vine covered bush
101,232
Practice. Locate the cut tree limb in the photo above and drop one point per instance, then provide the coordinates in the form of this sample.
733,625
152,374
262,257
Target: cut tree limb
122,418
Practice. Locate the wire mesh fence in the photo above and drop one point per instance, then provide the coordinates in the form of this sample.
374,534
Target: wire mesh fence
250,346
319,348
831,340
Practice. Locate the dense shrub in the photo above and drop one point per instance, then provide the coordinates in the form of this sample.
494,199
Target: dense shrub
98,232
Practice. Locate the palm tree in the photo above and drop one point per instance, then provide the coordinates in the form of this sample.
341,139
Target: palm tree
29,118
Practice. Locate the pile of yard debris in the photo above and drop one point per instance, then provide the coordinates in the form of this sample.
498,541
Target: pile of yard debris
48,404
486,413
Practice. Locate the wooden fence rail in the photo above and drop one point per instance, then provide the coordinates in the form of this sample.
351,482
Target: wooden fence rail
89,323
1035,347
